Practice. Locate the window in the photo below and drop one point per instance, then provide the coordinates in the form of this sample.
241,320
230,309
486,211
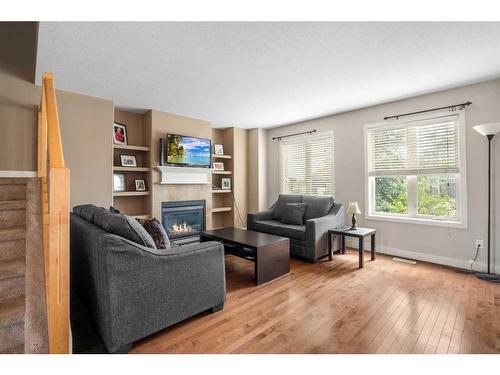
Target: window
415,170
306,165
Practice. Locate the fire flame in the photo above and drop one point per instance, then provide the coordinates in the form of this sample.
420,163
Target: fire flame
182,228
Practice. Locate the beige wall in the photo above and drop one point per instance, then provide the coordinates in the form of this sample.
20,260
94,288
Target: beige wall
163,123
86,130
19,98
240,177
256,170
18,123
438,244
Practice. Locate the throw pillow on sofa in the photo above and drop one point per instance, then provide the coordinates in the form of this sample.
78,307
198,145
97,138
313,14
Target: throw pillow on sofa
317,205
283,200
293,213
124,226
157,232
87,211
114,210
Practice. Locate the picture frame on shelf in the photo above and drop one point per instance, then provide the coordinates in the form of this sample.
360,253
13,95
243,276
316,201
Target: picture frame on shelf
218,166
140,184
119,134
218,149
119,182
128,160
225,183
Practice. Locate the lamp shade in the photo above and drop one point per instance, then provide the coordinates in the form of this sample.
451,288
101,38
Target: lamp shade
490,128
353,208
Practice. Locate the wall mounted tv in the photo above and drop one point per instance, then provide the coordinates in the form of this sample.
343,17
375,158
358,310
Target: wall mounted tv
187,151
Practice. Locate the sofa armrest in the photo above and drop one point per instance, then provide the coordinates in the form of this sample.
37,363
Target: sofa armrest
334,219
316,229
259,216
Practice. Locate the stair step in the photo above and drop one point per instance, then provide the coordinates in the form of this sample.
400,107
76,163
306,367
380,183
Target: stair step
11,337
16,350
12,219
12,249
12,181
12,268
12,311
12,288
19,204
12,192
12,234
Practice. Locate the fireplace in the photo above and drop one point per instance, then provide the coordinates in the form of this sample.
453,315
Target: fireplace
183,220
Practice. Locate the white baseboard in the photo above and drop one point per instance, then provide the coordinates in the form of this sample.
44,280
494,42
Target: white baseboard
424,257
14,174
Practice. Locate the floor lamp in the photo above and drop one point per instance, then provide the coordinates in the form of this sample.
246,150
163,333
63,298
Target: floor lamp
489,131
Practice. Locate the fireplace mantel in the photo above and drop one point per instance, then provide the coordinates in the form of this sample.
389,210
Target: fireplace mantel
184,175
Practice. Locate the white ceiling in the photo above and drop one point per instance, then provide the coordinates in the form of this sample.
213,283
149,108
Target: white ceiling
264,74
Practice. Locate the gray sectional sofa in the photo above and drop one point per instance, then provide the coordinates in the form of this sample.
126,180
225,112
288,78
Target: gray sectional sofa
132,291
308,238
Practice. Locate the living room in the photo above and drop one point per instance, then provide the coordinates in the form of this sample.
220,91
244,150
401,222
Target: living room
249,187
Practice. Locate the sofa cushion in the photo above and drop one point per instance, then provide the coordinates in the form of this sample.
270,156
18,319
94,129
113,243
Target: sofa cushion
294,213
283,199
157,232
317,205
124,226
88,212
114,210
285,230
77,210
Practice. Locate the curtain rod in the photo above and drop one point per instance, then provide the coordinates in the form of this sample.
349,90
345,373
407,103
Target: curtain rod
450,107
291,135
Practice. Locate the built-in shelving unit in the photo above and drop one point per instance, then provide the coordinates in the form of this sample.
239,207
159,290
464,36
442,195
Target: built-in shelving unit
130,193
221,209
222,199
132,202
216,156
222,172
130,169
129,147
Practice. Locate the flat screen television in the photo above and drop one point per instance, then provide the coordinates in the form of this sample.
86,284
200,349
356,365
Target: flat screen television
187,151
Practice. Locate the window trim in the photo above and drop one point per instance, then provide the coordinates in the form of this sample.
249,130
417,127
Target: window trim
302,138
462,221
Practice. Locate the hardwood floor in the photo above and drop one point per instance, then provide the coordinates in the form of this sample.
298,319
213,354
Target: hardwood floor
334,307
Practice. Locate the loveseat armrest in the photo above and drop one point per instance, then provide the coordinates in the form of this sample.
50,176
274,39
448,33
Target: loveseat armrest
259,216
317,229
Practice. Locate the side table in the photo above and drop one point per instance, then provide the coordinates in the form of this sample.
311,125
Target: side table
360,234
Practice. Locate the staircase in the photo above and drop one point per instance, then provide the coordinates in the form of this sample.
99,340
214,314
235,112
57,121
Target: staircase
12,264
34,245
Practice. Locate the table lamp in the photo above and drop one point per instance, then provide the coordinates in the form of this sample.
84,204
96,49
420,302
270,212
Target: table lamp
488,130
353,209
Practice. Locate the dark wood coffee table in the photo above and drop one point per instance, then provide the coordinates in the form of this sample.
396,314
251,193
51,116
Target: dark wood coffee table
270,253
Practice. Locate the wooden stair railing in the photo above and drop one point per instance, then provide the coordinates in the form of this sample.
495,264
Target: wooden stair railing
54,180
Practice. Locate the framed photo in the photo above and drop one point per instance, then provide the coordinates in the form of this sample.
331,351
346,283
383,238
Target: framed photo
119,182
218,149
128,161
218,166
140,185
119,134
226,183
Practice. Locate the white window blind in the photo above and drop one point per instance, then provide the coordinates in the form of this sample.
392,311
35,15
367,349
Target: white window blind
306,165
415,148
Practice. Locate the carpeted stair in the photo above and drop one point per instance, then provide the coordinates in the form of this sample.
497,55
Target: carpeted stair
12,265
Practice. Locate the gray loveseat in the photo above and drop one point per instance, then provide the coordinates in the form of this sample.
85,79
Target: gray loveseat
308,241
132,291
